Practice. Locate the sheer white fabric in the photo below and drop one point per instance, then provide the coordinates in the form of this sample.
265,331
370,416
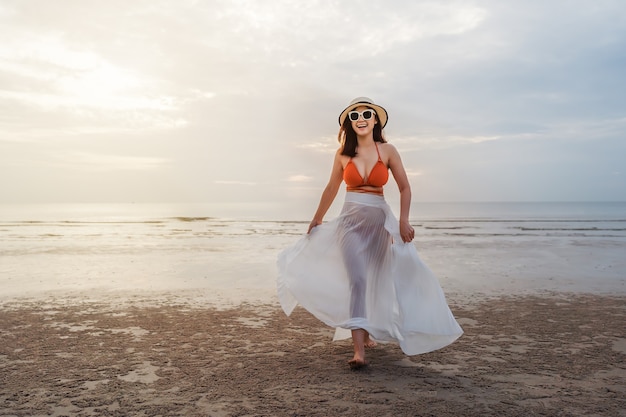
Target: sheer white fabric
355,272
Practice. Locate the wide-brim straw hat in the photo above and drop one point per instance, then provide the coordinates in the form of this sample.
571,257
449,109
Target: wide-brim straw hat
367,102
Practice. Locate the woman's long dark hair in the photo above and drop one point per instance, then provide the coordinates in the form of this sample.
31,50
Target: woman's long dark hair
347,137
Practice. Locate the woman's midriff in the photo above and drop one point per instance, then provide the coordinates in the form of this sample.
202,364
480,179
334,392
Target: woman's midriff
368,189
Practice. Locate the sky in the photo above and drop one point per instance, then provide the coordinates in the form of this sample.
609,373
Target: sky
237,101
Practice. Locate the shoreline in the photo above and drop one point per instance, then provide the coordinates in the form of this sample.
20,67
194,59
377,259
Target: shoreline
547,354
229,298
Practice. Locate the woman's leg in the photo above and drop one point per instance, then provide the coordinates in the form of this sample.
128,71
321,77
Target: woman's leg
360,245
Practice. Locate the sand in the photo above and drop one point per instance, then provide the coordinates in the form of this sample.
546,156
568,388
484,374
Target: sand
552,354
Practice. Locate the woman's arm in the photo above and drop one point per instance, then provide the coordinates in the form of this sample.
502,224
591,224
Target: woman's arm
399,174
330,192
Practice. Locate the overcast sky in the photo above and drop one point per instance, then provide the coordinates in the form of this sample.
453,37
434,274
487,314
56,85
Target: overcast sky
237,101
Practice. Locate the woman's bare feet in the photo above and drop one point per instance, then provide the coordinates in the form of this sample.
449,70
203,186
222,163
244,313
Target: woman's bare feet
359,336
357,364
369,343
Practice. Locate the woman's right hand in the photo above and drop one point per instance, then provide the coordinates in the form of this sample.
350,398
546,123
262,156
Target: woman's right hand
313,223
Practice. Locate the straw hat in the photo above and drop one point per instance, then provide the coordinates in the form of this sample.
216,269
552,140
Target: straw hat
367,102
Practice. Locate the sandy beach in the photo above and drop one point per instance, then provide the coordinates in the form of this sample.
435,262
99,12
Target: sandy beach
141,314
554,354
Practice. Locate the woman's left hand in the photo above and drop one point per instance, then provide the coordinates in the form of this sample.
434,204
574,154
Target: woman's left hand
407,233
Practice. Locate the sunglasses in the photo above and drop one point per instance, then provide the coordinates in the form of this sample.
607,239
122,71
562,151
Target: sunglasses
366,114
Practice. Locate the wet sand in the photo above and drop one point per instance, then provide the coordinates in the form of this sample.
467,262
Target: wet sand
553,355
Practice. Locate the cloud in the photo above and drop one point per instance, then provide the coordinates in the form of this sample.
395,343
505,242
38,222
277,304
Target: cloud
413,173
70,77
48,72
321,26
239,89
323,145
234,182
300,178
434,141
585,130
87,161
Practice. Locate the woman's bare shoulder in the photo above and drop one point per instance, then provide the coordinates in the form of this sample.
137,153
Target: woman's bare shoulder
387,146
388,149
339,157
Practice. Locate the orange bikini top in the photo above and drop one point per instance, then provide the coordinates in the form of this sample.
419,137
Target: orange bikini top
377,178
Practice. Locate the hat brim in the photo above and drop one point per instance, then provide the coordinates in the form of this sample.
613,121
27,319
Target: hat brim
380,112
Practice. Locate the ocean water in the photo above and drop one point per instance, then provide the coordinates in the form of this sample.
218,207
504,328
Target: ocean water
211,249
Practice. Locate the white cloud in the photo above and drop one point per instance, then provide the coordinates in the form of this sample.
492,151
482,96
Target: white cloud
52,73
251,90
300,178
433,141
88,161
89,98
324,145
413,173
342,30
74,78
234,182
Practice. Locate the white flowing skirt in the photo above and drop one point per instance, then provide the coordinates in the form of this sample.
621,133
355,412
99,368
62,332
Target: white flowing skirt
355,272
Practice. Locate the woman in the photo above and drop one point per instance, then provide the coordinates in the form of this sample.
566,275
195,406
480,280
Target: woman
360,272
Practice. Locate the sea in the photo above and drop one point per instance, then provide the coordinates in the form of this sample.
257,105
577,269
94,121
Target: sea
227,253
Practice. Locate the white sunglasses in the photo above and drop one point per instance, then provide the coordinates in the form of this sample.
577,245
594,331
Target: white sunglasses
366,114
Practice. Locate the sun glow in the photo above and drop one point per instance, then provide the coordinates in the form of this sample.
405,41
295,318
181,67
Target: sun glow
107,86
76,78
102,82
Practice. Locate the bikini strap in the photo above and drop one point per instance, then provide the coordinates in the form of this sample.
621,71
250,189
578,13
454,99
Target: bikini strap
377,151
